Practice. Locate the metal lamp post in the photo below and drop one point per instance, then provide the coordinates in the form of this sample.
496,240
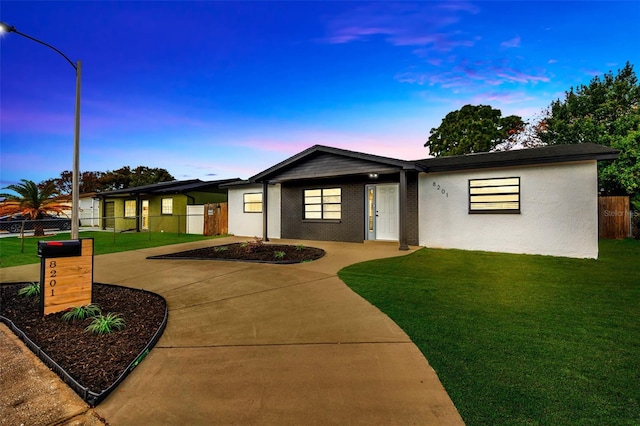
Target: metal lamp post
75,179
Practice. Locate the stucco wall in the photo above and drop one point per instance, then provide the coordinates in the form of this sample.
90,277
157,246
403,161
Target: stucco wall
559,212
250,224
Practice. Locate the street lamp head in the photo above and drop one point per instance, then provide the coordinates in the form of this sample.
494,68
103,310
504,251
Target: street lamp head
6,28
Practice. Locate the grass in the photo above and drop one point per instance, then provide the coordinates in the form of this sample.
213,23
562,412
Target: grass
518,339
104,242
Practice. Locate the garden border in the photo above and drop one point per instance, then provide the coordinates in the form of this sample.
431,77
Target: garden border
90,397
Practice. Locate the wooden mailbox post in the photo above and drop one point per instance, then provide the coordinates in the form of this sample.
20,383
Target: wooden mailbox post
66,274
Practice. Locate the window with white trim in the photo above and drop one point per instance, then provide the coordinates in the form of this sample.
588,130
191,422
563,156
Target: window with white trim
166,206
323,204
494,195
252,202
129,208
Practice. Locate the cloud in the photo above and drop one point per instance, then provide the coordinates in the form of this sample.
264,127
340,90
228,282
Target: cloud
402,24
467,74
514,42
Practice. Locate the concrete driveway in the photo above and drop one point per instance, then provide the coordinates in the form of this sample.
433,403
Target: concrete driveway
251,343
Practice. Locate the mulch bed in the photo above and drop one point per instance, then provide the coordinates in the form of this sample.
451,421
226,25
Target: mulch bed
94,361
251,252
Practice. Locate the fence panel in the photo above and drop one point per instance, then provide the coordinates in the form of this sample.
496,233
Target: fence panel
195,219
216,219
613,217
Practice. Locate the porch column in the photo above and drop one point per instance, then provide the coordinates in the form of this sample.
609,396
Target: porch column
403,211
138,212
103,212
265,209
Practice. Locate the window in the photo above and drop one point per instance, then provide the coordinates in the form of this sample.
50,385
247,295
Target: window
130,208
323,203
166,206
498,195
253,202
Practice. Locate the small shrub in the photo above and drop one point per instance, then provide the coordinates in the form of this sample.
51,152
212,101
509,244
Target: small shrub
300,247
81,312
220,249
30,290
253,246
105,324
279,255
244,244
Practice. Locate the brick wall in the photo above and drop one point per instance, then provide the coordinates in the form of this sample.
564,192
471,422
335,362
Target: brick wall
351,227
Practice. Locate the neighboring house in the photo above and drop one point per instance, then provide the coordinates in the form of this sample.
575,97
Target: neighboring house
89,209
536,201
158,207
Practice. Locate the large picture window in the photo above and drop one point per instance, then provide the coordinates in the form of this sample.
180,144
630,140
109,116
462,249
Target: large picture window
129,208
166,206
496,195
252,202
323,204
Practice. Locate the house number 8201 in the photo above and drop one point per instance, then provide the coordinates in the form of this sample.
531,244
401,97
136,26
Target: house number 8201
440,189
52,274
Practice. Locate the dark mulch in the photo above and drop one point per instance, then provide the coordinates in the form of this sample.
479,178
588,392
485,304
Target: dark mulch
94,361
251,252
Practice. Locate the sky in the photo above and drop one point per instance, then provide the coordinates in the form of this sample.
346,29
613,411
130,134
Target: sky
216,90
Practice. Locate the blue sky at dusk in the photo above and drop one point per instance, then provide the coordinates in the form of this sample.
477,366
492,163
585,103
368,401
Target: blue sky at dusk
215,90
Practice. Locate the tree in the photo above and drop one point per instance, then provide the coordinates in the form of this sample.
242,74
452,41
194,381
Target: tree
89,182
33,201
140,176
474,128
606,112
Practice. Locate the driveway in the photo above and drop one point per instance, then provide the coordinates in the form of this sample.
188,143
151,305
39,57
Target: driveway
251,343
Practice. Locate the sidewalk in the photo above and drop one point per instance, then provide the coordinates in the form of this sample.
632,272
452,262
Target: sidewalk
263,344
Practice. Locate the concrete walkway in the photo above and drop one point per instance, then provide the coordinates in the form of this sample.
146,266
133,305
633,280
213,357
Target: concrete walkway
267,344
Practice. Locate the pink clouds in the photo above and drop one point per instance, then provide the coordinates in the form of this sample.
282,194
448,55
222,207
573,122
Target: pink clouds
466,75
402,24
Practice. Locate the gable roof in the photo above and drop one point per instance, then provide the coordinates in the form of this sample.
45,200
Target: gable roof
172,187
324,161
521,157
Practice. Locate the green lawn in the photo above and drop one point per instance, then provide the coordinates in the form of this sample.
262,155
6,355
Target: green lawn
518,339
12,252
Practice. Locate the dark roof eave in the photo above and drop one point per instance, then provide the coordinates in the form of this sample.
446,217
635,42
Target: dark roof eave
396,163
524,157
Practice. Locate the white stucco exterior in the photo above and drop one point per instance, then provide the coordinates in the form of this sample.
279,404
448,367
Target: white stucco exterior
558,205
250,224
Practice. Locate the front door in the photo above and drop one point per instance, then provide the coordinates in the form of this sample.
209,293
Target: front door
145,215
382,219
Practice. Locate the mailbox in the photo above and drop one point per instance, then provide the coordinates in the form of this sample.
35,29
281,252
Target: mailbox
51,249
66,274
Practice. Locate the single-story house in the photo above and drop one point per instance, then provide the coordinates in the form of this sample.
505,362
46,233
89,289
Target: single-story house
160,206
536,201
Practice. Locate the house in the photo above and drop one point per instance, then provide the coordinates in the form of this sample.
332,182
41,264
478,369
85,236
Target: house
536,201
160,206
89,209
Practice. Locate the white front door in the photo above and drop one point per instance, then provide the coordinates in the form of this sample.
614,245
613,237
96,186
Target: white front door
382,205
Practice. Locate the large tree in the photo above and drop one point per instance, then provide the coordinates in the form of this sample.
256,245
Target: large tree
474,128
33,201
121,178
124,177
605,111
89,182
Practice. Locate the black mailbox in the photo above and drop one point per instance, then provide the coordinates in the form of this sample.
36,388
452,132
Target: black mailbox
49,249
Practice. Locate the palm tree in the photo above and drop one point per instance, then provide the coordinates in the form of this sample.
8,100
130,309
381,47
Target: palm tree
33,201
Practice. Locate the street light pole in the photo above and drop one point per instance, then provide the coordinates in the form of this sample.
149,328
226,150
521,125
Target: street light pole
75,174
